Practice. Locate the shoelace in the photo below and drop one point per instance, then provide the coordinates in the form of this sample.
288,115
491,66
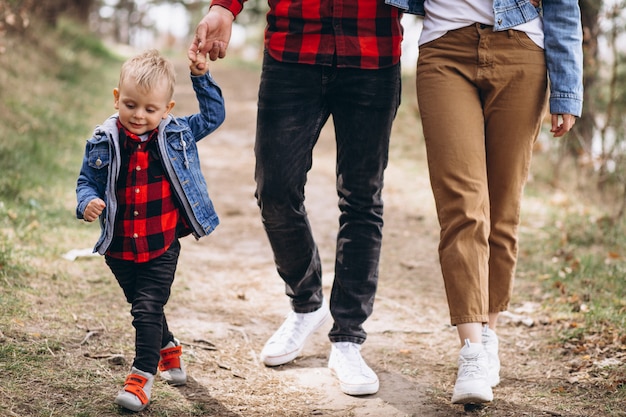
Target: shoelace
470,366
290,329
356,364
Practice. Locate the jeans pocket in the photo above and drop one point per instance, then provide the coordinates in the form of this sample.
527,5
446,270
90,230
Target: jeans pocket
525,42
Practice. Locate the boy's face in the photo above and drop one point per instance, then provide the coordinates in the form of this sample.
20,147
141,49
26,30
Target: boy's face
141,111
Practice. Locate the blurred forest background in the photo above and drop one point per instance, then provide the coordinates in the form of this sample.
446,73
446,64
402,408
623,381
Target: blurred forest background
596,147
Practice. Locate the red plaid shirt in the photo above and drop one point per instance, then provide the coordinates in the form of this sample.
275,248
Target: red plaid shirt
362,34
147,216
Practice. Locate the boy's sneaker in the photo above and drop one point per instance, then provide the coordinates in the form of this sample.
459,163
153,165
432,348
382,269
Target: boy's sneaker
287,342
472,382
135,395
171,364
490,342
347,364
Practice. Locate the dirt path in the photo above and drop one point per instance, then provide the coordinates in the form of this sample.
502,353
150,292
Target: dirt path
228,299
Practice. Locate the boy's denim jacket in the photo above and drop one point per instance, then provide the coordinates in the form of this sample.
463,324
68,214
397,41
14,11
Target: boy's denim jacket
179,153
562,37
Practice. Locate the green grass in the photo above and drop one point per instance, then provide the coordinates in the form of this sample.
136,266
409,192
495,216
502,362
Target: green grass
577,259
52,97
582,260
48,94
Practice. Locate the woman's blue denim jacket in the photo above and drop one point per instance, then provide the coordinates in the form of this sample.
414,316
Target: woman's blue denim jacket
179,153
562,37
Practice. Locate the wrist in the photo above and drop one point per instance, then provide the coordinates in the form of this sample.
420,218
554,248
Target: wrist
223,11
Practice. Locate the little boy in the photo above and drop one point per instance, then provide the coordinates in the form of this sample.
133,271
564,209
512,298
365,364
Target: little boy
141,176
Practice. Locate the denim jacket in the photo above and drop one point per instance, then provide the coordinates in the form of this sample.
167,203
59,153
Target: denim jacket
562,38
178,151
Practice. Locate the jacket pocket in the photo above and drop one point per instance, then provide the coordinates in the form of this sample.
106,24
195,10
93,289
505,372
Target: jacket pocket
99,159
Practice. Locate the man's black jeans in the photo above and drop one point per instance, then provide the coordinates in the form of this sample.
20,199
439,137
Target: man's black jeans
295,101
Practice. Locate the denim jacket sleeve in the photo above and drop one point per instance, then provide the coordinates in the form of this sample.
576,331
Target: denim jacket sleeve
564,55
96,170
97,178
92,179
182,162
211,102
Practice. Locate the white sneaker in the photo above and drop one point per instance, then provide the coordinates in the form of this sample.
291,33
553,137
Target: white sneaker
355,377
490,342
472,382
286,344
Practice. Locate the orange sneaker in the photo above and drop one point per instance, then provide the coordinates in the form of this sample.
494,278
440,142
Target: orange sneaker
171,364
135,395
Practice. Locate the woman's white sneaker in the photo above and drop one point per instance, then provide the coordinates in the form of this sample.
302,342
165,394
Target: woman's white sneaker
491,344
472,382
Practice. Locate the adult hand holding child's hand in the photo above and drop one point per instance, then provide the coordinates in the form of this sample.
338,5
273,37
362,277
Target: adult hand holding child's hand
199,66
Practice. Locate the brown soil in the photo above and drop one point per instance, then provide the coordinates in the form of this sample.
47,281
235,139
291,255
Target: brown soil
228,300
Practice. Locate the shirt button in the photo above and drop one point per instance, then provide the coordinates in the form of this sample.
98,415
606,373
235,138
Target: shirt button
98,162
135,213
138,168
136,190
135,235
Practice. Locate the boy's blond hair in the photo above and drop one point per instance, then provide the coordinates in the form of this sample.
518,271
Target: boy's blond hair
147,69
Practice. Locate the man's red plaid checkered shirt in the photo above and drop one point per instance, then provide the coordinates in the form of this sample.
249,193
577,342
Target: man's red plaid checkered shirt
362,34
148,219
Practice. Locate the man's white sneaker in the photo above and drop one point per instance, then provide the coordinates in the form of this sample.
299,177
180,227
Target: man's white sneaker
287,342
348,366
472,382
490,342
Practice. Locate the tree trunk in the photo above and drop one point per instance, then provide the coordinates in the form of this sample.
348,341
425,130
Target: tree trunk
585,126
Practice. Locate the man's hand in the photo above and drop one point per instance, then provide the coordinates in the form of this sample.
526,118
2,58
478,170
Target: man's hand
94,209
212,36
559,130
535,3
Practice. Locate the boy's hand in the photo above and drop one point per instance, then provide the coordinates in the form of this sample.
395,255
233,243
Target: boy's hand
94,209
200,66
